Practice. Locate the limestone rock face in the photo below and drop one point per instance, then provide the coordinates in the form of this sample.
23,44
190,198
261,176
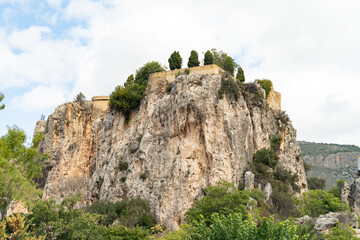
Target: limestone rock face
174,146
354,197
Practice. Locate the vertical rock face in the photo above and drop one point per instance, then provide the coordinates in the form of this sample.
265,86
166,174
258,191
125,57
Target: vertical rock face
175,145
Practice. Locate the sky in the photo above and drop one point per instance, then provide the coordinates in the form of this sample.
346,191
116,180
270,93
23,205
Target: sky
50,50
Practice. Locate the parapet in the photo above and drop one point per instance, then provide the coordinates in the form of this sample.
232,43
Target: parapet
159,79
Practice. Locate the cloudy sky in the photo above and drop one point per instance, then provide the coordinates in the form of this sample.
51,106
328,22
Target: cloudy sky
52,49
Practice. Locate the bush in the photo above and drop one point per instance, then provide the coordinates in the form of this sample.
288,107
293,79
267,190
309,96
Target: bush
2,106
222,198
318,202
221,59
229,87
193,59
128,97
341,232
336,190
208,58
80,97
276,143
307,167
229,65
233,227
168,88
316,183
283,117
123,166
283,203
129,213
143,176
240,75
124,233
266,85
175,61
266,156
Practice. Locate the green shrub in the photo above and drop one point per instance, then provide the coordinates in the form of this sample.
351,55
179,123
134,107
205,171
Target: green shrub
175,61
124,233
240,75
307,167
222,198
143,176
187,71
276,143
168,88
341,232
283,117
234,227
193,59
316,183
336,190
318,202
139,138
229,87
80,97
208,58
128,97
2,106
266,156
229,65
283,203
266,85
123,166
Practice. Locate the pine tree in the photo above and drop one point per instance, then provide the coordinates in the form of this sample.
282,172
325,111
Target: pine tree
240,75
175,61
228,65
193,59
208,58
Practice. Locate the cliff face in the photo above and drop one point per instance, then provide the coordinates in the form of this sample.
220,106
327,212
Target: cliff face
331,161
175,145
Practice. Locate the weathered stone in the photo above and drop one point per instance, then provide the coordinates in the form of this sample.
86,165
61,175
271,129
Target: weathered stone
267,191
330,219
354,196
191,139
345,193
305,220
249,180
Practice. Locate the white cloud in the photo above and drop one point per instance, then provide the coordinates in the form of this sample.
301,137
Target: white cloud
309,49
40,98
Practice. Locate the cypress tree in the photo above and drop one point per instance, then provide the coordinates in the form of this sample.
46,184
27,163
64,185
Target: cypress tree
193,59
175,61
229,65
240,75
208,58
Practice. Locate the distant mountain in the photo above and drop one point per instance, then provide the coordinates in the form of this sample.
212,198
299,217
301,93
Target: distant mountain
331,161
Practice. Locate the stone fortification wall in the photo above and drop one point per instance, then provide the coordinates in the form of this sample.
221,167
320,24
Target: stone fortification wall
100,106
157,81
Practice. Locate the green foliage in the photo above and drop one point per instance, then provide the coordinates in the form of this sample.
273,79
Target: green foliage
234,227
341,232
139,138
143,73
336,190
123,166
266,156
208,58
240,75
129,213
266,85
187,71
168,88
316,183
15,227
283,117
128,97
19,166
283,203
310,148
306,232
2,106
222,198
229,87
223,60
177,235
317,202
143,176
80,97
123,233
193,59
228,65
175,61
307,167
276,142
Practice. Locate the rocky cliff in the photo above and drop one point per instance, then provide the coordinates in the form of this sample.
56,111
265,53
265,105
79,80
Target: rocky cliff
176,144
331,161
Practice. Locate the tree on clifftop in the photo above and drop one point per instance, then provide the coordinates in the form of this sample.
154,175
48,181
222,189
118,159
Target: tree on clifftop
228,65
240,75
175,61
208,58
2,106
193,59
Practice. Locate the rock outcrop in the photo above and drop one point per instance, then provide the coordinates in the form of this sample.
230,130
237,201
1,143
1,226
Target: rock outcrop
175,145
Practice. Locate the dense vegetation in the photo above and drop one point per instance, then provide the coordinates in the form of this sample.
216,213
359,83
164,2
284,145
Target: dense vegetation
193,59
2,106
265,84
208,59
128,97
175,61
19,166
310,148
